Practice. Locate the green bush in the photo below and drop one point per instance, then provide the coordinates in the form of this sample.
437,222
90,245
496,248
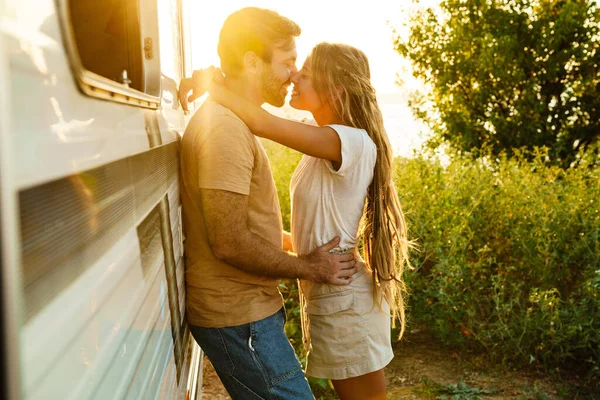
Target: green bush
508,259
283,164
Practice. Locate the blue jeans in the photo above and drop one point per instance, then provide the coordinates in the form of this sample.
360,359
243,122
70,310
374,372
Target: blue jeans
255,360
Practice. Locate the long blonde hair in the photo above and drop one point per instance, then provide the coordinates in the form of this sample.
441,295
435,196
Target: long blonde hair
342,78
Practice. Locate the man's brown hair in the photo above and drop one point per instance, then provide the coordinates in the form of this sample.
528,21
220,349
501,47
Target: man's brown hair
253,29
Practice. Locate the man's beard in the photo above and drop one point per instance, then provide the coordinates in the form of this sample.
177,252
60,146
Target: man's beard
271,88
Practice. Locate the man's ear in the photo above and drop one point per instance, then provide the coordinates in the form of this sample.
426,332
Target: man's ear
251,62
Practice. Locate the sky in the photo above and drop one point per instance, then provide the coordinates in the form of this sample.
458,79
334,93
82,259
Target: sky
361,24
367,25
364,24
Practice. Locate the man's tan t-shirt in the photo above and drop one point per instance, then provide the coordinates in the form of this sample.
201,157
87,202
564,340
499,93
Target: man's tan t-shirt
218,151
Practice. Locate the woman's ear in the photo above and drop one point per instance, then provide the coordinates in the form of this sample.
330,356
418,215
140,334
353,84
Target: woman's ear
339,92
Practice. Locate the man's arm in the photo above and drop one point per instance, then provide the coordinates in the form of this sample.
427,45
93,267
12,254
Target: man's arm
225,215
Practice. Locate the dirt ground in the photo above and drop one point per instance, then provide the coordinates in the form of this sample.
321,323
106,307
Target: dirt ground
423,369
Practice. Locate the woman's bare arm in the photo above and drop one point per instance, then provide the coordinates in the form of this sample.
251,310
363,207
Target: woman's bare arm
315,141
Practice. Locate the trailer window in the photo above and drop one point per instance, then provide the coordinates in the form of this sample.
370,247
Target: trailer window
114,48
107,34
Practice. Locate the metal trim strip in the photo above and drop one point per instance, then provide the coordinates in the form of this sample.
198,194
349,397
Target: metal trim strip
67,224
10,274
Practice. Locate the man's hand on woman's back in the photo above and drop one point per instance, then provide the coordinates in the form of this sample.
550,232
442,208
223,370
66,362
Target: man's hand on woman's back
335,269
226,214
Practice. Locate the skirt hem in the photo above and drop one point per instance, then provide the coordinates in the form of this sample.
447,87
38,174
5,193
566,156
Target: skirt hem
340,372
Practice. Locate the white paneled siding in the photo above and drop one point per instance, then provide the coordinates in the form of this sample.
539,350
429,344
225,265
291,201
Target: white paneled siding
91,177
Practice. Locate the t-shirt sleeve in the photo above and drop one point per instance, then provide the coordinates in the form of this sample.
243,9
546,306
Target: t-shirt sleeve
353,142
225,156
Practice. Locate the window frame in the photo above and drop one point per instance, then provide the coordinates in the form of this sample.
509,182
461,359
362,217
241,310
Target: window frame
97,86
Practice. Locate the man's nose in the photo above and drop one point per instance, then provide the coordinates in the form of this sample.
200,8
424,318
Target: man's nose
294,77
292,70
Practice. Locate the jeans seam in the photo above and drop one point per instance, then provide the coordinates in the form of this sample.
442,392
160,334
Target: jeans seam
237,330
285,377
272,382
247,388
227,352
257,361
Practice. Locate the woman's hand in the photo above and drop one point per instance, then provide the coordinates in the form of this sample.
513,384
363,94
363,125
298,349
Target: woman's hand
218,91
320,142
198,84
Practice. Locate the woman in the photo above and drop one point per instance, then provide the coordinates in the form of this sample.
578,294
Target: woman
343,186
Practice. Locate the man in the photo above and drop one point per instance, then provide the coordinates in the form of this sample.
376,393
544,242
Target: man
233,223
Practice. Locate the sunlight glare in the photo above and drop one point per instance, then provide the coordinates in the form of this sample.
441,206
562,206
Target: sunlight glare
367,26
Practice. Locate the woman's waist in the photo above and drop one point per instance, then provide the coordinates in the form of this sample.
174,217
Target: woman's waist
306,243
360,280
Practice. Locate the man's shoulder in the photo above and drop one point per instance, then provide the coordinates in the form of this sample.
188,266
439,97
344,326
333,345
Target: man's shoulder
212,115
216,126
217,109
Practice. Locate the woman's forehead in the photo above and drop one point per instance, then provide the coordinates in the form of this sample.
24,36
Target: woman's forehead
306,64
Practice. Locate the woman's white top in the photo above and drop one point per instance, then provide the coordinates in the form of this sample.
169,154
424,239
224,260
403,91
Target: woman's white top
348,334
327,203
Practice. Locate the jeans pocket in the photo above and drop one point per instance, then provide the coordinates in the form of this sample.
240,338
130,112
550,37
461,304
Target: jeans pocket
213,343
272,350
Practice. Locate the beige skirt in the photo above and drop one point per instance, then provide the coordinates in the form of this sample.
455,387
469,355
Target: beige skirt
348,334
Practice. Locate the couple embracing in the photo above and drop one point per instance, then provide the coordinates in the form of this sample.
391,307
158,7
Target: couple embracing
342,192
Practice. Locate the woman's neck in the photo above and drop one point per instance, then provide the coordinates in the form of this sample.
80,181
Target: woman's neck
326,116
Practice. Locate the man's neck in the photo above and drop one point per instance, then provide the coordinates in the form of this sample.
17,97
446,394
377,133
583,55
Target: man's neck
242,87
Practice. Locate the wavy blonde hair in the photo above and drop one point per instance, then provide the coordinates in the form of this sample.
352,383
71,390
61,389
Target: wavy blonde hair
341,76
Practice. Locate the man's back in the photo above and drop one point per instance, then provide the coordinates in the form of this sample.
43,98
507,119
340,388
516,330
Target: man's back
219,152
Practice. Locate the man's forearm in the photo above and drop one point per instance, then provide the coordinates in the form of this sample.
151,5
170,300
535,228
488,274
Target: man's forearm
253,254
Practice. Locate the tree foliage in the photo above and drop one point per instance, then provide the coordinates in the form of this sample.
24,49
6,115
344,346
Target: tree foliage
506,74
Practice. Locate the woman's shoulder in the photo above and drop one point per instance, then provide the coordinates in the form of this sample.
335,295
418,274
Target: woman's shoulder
355,135
350,130
358,150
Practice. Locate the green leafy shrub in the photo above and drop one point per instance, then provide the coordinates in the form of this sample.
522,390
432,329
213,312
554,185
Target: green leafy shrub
509,257
453,391
283,164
